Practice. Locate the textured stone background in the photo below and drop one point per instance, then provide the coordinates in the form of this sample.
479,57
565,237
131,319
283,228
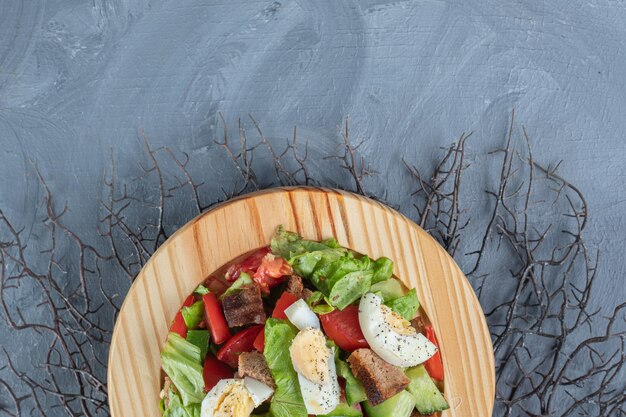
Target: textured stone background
80,78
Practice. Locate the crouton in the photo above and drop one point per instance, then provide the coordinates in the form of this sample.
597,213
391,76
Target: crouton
253,364
418,323
244,307
296,287
380,379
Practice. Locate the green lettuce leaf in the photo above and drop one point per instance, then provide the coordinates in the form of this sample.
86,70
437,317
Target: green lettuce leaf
343,410
350,288
406,305
182,362
199,338
383,269
288,244
244,279
319,303
355,393
176,408
202,290
389,289
287,400
193,314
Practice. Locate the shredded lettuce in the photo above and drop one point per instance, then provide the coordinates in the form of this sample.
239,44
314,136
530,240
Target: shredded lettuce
350,288
175,408
389,289
199,338
244,279
355,393
193,314
319,303
288,244
287,400
202,290
338,273
344,410
383,269
406,305
182,362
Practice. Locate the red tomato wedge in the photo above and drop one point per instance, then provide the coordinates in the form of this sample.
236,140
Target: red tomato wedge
239,343
249,265
271,272
286,299
259,342
342,326
434,365
214,371
178,325
215,319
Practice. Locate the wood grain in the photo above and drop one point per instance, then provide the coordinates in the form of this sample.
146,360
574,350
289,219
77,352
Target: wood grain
240,225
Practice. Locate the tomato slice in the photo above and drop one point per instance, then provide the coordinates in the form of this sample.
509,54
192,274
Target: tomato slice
239,343
214,371
342,326
434,365
259,342
178,325
215,318
271,272
286,299
250,264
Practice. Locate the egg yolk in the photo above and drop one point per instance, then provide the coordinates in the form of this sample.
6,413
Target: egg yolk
310,355
234,401
396,322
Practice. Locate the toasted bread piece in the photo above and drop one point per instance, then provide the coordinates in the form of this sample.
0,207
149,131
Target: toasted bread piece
418,323
253,364
380,379
244,307
296,287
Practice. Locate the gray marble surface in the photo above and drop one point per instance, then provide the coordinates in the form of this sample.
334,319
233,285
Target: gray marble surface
80,80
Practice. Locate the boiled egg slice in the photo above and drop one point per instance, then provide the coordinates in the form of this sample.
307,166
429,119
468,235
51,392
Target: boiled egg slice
234,398
301,315
390,335
315,365
259,391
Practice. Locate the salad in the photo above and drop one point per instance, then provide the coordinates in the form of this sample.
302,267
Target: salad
302,328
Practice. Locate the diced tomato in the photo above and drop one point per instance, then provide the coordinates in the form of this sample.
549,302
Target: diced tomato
259,342
239,343
189,301
249,265
214,318
214,371
178,325
342,326
271,272
286,299
434,365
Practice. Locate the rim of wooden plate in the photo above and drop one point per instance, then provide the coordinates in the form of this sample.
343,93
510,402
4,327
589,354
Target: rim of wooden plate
244,223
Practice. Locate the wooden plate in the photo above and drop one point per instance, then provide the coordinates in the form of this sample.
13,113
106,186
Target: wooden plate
240,225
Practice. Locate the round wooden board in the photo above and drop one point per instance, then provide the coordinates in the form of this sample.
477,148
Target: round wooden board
240,225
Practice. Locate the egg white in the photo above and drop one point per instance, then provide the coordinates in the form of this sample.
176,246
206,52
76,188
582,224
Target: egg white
321,398
301,315
402,350
251,393
257,390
